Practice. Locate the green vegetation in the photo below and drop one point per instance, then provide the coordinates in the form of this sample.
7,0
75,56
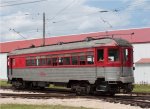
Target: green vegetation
4,83
24,106
56,87
144,88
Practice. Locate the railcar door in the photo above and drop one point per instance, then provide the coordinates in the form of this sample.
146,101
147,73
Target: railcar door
100,62
127,61
11,66
8,65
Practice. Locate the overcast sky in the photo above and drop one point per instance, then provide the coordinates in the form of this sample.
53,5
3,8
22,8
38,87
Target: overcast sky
65,17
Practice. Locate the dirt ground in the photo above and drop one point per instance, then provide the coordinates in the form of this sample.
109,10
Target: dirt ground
75,102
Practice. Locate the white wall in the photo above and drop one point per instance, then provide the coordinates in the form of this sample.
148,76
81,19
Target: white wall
141,51
142,74
142,71
3,65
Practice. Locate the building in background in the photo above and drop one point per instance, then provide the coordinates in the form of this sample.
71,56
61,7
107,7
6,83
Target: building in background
140,39
143,65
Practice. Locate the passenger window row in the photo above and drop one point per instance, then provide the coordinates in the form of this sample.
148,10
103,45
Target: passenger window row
85,58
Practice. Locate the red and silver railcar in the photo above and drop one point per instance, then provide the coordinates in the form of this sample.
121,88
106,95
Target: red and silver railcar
102,65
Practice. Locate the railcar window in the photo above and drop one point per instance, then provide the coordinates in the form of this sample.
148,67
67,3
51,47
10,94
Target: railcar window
37,61
33,63
126,55
82,60
74,60
27,61
42,61
100,55
30,61
54,61
90,59
113,55
66,60
49,62
13,62
60,61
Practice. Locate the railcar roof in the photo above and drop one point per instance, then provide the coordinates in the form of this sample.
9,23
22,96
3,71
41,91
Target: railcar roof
73,45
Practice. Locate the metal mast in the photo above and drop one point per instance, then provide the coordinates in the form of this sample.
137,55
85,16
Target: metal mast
43,29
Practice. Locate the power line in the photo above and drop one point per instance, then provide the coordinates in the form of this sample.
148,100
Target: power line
128,7
106,22
10,1
101,11
17,33
22,3
62,10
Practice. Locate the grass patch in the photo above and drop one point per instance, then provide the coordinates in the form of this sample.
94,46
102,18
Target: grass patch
57,87
144,88
4,83
24,106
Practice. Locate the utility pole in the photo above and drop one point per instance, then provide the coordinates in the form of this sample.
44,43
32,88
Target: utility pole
43,29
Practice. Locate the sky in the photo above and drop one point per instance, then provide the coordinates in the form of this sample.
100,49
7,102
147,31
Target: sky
23,19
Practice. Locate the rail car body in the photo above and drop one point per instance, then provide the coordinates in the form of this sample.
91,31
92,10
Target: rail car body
102,65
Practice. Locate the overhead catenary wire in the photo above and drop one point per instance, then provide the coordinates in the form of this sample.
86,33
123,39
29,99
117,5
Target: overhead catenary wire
17,33
79,17
103,20
22,3
106,22
59,12
12,1
129,9
96,12
99,11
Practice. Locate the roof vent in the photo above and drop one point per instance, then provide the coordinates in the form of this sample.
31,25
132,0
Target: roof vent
32,46
89,39
59,43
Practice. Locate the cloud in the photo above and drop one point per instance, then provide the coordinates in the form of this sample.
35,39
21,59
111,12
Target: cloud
67,17
17,21
138,4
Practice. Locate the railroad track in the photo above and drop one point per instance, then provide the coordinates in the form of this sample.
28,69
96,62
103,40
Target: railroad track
133,99
50,90
37,96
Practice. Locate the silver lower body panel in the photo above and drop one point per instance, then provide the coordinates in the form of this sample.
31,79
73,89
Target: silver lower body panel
75,73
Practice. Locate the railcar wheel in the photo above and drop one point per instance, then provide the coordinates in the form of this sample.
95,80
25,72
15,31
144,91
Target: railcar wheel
17,84
92,90
26,85
111,94
41,88
79,91
73,87
82,89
